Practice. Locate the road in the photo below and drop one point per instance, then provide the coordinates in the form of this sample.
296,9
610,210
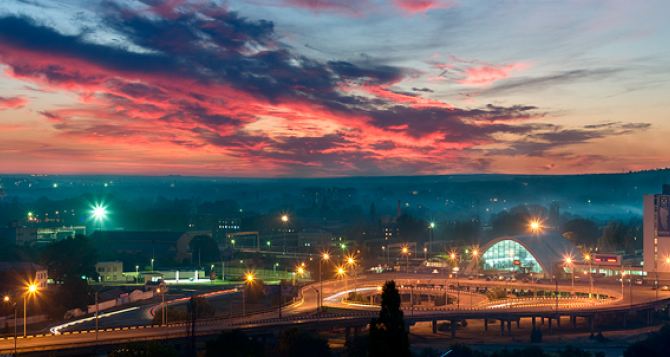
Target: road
304,310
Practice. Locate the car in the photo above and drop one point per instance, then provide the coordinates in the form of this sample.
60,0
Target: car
665,288
638,281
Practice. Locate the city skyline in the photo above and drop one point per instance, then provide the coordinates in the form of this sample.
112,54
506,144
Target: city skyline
333,87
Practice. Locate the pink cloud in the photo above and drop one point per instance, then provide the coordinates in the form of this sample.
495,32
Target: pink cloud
485,75
342,6
417,6
12,102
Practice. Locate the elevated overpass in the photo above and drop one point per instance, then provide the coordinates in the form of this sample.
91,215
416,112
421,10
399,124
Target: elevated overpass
303,313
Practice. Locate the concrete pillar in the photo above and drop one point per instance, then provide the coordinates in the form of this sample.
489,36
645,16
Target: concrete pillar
549,320
434,326
532,320
573,319
542,321
558,321
453,328
518,323
502,327
509,327
486,325
347,333
591,324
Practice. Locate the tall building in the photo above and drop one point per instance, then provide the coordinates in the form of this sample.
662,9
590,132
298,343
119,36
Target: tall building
656,243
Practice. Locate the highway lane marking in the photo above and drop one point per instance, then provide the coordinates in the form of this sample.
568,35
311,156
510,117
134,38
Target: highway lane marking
56,329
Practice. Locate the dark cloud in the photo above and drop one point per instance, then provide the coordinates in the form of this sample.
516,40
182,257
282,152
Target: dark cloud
528,84
198,73
424,89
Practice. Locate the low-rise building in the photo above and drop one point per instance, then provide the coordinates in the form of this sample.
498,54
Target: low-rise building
110,271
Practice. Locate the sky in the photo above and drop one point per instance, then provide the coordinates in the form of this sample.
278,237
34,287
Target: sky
321,88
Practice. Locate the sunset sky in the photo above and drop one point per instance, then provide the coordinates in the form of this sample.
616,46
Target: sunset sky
310,88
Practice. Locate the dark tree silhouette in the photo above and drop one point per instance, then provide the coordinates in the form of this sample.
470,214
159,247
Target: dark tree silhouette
388,336
234,344
295,343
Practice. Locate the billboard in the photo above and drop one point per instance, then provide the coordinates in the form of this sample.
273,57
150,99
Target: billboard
663,216
606,259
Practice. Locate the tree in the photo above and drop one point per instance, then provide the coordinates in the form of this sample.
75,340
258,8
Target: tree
70,258
204,249
70,262
234,344
388,336
581,231
295,343
657,344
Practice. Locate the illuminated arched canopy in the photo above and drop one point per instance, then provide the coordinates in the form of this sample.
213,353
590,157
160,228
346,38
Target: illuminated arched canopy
530,253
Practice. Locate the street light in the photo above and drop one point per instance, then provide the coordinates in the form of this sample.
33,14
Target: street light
430,241
535,226
405,252
31,290
249,278
341,273
587,258
99,214
152,264
570,263
7,300
475,257
351,261
163,307
284,220
325,256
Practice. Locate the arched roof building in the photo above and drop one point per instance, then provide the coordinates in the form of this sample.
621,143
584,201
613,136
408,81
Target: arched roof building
538,253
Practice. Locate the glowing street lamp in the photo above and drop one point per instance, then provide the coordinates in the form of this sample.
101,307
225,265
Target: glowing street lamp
325,256
31,290
570,263
430,240
249,278
351,261
99,214
405,252
587,258
475,256
535,226
8,300
284,220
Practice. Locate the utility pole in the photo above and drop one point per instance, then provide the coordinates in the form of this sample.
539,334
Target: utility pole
97,308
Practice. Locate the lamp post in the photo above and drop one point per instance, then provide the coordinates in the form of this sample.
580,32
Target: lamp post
152,264
405,252
341,273
163,309
249,280
351,262
587,258
324,258
7,300
284,220
31,289
475,258
99,214
431,226
569,262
